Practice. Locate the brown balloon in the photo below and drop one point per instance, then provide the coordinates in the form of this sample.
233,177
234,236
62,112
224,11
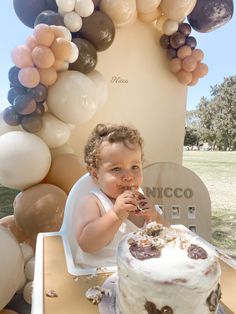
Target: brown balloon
32,123
99,29
65,170
40,208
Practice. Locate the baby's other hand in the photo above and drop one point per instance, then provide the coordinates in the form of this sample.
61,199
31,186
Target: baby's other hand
145,208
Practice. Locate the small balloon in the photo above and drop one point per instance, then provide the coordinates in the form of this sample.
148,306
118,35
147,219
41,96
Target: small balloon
175,65
39,92
185,29
61,48
11,117
171,53
66,5
43,57
32,122
184,77
48,76
24,104
84,7
177,10
189,64
21,56
29,77
184,51
191,42
149,17
73,21
201,70
165,41
198,54
14,92
13,76
177,40
98,29
87,59
43,34
147,6
170,27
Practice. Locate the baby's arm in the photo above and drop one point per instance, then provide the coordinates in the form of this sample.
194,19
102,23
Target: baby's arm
94,231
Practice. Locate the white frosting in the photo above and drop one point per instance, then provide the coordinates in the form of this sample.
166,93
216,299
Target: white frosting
173,279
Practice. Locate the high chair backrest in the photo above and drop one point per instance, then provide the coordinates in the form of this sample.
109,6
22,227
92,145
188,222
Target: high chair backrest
79,189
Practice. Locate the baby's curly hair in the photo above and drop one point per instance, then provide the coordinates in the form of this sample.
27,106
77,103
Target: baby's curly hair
113,134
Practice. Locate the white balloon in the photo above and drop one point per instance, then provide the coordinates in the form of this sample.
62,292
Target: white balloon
24,159
74,53
122,12
4,127
28,291
66,5
73,21
101,87
54,132
29,269
73,97
84,7
12,266
27,251
147,6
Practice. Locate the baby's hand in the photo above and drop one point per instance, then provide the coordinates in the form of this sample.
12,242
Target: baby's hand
145,208
124,204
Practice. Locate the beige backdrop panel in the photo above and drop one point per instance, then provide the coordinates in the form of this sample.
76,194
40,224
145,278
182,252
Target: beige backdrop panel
181,194
143,92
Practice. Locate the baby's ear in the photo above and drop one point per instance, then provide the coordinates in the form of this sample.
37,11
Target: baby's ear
93,174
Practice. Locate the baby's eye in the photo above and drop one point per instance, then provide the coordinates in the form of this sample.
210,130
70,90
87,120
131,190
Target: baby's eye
135,167
115,169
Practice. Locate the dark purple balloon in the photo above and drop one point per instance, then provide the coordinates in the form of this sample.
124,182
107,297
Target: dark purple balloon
32,123
96,3
52,5
99,30
211,14
40,109
177,40
24,104
11,117
13,77
184,28
39,93
171,53
14,92
191,42
49,17
87,59
165,41
28,10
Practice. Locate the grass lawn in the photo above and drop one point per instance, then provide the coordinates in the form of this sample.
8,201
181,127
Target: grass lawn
218,171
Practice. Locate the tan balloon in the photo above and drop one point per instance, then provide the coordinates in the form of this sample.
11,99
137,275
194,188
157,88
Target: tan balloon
73,97
40,209
65,170
24,159
122,12
147,6
177,10
160,22
48,76
149,17
54,132
12,266
29,77
170,27
64,149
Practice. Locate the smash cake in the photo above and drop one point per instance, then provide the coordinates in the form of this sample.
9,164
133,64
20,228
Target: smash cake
166,270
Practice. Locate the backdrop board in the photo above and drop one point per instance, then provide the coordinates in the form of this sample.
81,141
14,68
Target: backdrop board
142,92
181,194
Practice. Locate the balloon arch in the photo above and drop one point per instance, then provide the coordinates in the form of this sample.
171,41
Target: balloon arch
54,85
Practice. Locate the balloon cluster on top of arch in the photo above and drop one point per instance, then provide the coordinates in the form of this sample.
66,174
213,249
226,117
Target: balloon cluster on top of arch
67,36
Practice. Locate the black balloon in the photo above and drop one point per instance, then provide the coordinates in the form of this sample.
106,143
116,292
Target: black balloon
49,17
87,59
99,29
171,53
211,14
52,5
28,10
165,41
39,93
11,117
14,92
191,42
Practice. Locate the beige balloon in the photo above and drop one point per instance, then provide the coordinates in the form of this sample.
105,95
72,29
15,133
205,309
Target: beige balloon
65,170
170,27
147,6
54,132
24,159
28,291
122,12
101,87
12,266
29,269
177,10
72,98
39,209
64,149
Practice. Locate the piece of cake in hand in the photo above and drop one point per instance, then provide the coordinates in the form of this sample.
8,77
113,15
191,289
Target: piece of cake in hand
166,270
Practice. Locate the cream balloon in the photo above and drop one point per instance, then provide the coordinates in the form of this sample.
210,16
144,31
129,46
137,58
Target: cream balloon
54,132
73,21
170,27
101,87
177,10
73,97
29,269
147,6
28,291
12,266
66,5
24,159
4,127
84,7
27,251
122,12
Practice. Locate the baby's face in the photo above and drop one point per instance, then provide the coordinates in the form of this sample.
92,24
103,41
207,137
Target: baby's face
120,169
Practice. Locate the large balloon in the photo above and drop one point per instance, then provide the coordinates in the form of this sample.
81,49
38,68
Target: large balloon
209,15
65,170
39,209
24,159
54,132
73,97
27,11
12,266
99,29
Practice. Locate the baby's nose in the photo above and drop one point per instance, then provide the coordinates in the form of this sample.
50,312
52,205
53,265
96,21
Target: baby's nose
127,176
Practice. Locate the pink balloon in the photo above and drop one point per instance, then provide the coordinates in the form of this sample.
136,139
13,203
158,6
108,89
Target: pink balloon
21,56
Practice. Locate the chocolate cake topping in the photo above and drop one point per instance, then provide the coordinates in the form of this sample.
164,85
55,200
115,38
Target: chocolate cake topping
196,252
167,310
144,252
214,299
151,308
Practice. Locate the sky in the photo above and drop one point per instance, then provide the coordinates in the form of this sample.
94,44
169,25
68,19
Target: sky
218,46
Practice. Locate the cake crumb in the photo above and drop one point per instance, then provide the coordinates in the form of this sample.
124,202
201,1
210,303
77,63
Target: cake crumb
51,293
96,293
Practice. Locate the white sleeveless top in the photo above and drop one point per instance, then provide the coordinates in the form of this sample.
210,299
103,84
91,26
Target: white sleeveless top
106,256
